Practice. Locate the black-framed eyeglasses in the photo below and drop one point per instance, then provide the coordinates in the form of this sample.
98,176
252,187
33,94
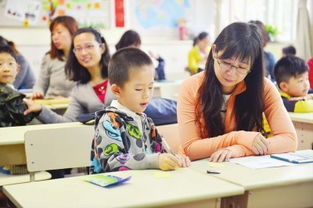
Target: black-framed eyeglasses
226,66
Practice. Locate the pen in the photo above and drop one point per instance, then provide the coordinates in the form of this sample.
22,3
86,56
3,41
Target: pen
212,172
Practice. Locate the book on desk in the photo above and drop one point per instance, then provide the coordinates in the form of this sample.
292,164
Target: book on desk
305,156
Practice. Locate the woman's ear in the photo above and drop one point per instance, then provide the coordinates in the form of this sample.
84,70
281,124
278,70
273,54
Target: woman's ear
213,48
116,90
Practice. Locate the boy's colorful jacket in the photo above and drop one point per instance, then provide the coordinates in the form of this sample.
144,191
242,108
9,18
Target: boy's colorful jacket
298,106
12,107
124,141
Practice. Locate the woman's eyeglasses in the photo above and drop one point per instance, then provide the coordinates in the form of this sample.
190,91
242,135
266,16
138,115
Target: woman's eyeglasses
87,48
226,66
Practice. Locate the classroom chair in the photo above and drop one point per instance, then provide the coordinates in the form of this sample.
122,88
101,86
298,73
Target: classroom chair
53,149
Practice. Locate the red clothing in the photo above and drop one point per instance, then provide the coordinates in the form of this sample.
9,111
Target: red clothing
310,63
284,137
100,90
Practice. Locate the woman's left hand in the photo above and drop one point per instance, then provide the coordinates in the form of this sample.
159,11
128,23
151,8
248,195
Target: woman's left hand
222,155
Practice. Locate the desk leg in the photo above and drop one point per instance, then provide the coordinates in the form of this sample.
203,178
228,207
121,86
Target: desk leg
240,201
305,135
12,154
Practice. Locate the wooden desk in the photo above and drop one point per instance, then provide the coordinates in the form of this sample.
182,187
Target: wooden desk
270,187
146,188
303,123
12,149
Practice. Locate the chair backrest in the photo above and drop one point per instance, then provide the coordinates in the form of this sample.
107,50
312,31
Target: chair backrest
170,133
51,149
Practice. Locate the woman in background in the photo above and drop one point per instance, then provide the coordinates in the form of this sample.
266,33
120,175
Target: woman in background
87,65
52,81
25,78
198,55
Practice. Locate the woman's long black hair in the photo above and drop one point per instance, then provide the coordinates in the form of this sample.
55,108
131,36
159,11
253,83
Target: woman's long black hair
75,71
238,40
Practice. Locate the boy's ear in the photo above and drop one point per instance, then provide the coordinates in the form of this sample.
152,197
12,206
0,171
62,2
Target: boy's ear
18,68
116,90
284,86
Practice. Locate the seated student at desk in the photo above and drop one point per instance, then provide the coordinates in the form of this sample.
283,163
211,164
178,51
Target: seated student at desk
125,137
11,101
291,75
88,66
220,110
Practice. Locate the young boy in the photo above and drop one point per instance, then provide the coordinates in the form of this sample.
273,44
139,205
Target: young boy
12,106
125,138
291,75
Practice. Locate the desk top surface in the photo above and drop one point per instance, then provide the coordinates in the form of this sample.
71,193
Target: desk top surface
258,178
15,135
302,117
145,188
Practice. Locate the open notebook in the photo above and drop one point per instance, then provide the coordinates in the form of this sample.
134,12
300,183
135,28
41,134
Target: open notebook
304,156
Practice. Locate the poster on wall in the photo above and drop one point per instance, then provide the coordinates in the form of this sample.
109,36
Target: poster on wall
159,16
38,13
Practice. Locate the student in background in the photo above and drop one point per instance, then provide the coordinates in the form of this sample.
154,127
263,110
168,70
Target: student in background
52,81
198,55
25,78
268,56
291,75
12,106
132,39
220,110
289,50
87,65
125,138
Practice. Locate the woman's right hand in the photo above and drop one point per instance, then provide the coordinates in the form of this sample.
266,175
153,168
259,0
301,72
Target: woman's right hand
260,145
32,107
37,95
168,162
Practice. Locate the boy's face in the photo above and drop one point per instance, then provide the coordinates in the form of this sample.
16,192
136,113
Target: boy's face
8,68
138,90
297,86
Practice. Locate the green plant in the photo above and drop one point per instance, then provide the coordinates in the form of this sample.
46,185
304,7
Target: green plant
272,31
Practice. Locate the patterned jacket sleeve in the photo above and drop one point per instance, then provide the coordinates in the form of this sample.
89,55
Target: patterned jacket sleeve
113,149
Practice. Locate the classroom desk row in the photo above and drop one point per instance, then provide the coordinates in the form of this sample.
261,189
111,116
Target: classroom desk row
235,186
12,150
303,123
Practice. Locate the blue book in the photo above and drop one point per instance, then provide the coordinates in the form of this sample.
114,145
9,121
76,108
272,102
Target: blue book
304,156
106,180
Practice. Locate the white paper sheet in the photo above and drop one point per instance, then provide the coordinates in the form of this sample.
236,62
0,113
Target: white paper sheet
256,162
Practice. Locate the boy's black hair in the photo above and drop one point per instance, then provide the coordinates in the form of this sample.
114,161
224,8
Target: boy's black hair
7,49
123,61
289,50
287,67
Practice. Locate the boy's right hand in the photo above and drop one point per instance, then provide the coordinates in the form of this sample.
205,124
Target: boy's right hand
37,95
168,162
31,106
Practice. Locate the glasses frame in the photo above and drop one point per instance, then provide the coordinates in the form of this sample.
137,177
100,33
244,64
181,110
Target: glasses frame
230,66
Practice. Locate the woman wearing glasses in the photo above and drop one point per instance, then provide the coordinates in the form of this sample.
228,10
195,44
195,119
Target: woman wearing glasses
52,81
87,64
220,110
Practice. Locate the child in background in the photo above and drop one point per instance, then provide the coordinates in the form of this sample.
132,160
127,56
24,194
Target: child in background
125,138
132,38
25,78
12,106
289,50
198,55
291,75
